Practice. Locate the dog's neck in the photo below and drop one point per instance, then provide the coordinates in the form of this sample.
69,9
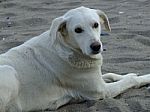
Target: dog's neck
75,57
82,61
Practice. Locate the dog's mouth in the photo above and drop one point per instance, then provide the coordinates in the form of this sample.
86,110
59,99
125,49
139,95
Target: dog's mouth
95,52
93,55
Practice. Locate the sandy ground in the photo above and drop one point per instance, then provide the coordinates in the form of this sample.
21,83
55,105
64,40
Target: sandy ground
127,46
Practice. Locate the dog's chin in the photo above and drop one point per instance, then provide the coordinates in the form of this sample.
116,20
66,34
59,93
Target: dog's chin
95,56
91,55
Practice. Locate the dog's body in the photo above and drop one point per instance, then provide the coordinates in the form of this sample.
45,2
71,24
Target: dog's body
59,66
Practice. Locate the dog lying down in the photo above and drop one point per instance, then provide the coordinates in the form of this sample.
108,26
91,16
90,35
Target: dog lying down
60,66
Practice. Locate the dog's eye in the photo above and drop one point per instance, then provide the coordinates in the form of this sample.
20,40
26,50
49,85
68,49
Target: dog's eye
78,30
95,25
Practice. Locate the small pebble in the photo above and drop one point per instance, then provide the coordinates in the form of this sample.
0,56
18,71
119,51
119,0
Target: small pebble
121,12
9,23
3,38
104,49
7,18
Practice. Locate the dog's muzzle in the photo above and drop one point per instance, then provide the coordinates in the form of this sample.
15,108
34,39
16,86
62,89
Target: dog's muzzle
95,47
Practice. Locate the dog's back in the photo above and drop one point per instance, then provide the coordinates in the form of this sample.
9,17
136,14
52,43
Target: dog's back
31,72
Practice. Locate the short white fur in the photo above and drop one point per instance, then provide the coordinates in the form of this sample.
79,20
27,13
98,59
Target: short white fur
58,66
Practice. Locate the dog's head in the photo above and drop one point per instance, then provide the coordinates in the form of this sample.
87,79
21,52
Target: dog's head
81,29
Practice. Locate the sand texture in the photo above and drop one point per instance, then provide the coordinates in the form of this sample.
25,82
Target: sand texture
127,46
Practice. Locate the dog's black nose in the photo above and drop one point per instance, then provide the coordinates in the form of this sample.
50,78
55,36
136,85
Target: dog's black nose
95,47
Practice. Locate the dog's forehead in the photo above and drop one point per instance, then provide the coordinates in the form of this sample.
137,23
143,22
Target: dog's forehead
76,10
82,15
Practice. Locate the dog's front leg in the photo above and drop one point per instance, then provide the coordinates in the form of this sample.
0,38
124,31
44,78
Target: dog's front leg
128,81
112,77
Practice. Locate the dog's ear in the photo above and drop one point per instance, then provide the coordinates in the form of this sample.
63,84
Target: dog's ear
63,29
104,19
56,25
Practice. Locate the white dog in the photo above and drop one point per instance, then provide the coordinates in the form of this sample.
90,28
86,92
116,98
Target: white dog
61,65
